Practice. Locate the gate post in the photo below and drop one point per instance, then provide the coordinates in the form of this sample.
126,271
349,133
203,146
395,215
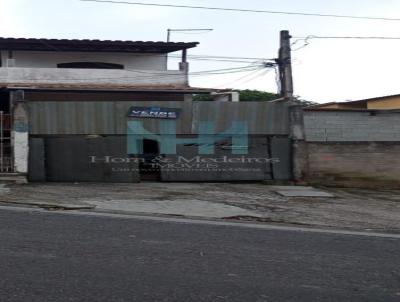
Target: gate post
20,132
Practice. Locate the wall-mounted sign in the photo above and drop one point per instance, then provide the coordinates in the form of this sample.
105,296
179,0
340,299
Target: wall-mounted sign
154,112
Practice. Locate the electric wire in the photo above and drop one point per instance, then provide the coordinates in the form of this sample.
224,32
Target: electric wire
151,75
246,10
252,73
256,76
307,39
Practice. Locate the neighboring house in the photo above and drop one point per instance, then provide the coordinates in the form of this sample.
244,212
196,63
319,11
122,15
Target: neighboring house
384,103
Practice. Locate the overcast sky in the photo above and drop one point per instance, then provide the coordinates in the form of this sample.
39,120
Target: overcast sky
324,71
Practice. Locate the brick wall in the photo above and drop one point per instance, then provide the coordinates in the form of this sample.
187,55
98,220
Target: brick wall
354,164
357,149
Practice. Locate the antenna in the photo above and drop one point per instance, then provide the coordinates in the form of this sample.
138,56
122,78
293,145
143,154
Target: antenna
169,31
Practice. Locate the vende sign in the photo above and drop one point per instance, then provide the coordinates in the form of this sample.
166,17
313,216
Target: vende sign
154,112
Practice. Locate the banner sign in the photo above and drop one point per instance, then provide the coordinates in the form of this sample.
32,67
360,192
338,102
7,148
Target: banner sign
154,112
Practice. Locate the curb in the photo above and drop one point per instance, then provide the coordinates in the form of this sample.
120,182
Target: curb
51,206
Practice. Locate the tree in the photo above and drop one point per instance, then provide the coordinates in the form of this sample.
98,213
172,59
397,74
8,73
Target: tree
257,95
254,95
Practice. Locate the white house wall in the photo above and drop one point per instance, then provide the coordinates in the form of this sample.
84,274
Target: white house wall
48,59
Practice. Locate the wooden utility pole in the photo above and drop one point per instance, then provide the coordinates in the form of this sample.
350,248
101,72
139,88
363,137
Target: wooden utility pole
285,65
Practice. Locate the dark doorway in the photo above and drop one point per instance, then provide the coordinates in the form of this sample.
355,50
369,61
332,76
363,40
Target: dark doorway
5,101
149,167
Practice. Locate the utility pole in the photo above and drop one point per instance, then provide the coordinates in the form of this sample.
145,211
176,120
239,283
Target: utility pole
285,65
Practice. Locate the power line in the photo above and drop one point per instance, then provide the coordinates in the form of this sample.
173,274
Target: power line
153,75
256,76
348,37
307,39
250,74
238,61
229,57
247,10
213,60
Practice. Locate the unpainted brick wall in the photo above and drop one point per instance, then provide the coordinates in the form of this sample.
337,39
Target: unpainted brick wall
354,164
353,149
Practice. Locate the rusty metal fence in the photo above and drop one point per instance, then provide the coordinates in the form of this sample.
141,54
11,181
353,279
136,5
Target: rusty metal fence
6,158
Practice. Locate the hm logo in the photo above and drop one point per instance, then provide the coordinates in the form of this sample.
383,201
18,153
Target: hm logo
205,140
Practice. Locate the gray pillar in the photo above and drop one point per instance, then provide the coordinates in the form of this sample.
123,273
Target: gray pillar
299,145
184,66
20,132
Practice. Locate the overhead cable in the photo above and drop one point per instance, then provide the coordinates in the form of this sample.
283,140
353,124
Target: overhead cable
246,10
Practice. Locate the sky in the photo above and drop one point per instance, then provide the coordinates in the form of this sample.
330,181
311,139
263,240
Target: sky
324,71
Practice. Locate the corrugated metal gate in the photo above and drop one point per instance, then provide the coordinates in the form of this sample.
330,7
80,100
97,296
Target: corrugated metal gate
65,135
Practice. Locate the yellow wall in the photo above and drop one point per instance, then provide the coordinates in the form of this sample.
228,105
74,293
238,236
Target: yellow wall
386,103
342,106
328,106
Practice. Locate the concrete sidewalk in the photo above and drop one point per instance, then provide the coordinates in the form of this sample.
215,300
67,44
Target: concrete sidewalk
350,208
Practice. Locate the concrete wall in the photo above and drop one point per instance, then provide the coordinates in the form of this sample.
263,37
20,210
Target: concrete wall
49,59
356,149
349,126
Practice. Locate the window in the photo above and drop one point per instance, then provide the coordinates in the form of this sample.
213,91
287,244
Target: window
90,65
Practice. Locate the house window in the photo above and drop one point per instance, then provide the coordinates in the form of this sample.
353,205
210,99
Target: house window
90,65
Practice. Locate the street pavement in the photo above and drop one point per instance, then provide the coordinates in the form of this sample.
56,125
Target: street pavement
53,256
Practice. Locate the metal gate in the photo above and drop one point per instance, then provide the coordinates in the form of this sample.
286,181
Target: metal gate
6,150
66,135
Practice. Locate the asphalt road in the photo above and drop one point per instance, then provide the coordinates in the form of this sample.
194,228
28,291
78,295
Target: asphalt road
47,256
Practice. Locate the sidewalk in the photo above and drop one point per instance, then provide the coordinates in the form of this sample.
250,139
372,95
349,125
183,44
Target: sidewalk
358,209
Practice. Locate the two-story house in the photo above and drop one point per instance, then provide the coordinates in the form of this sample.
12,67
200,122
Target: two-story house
52,88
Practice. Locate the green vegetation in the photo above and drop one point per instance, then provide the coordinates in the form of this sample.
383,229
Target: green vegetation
253,95
257,95
245,96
